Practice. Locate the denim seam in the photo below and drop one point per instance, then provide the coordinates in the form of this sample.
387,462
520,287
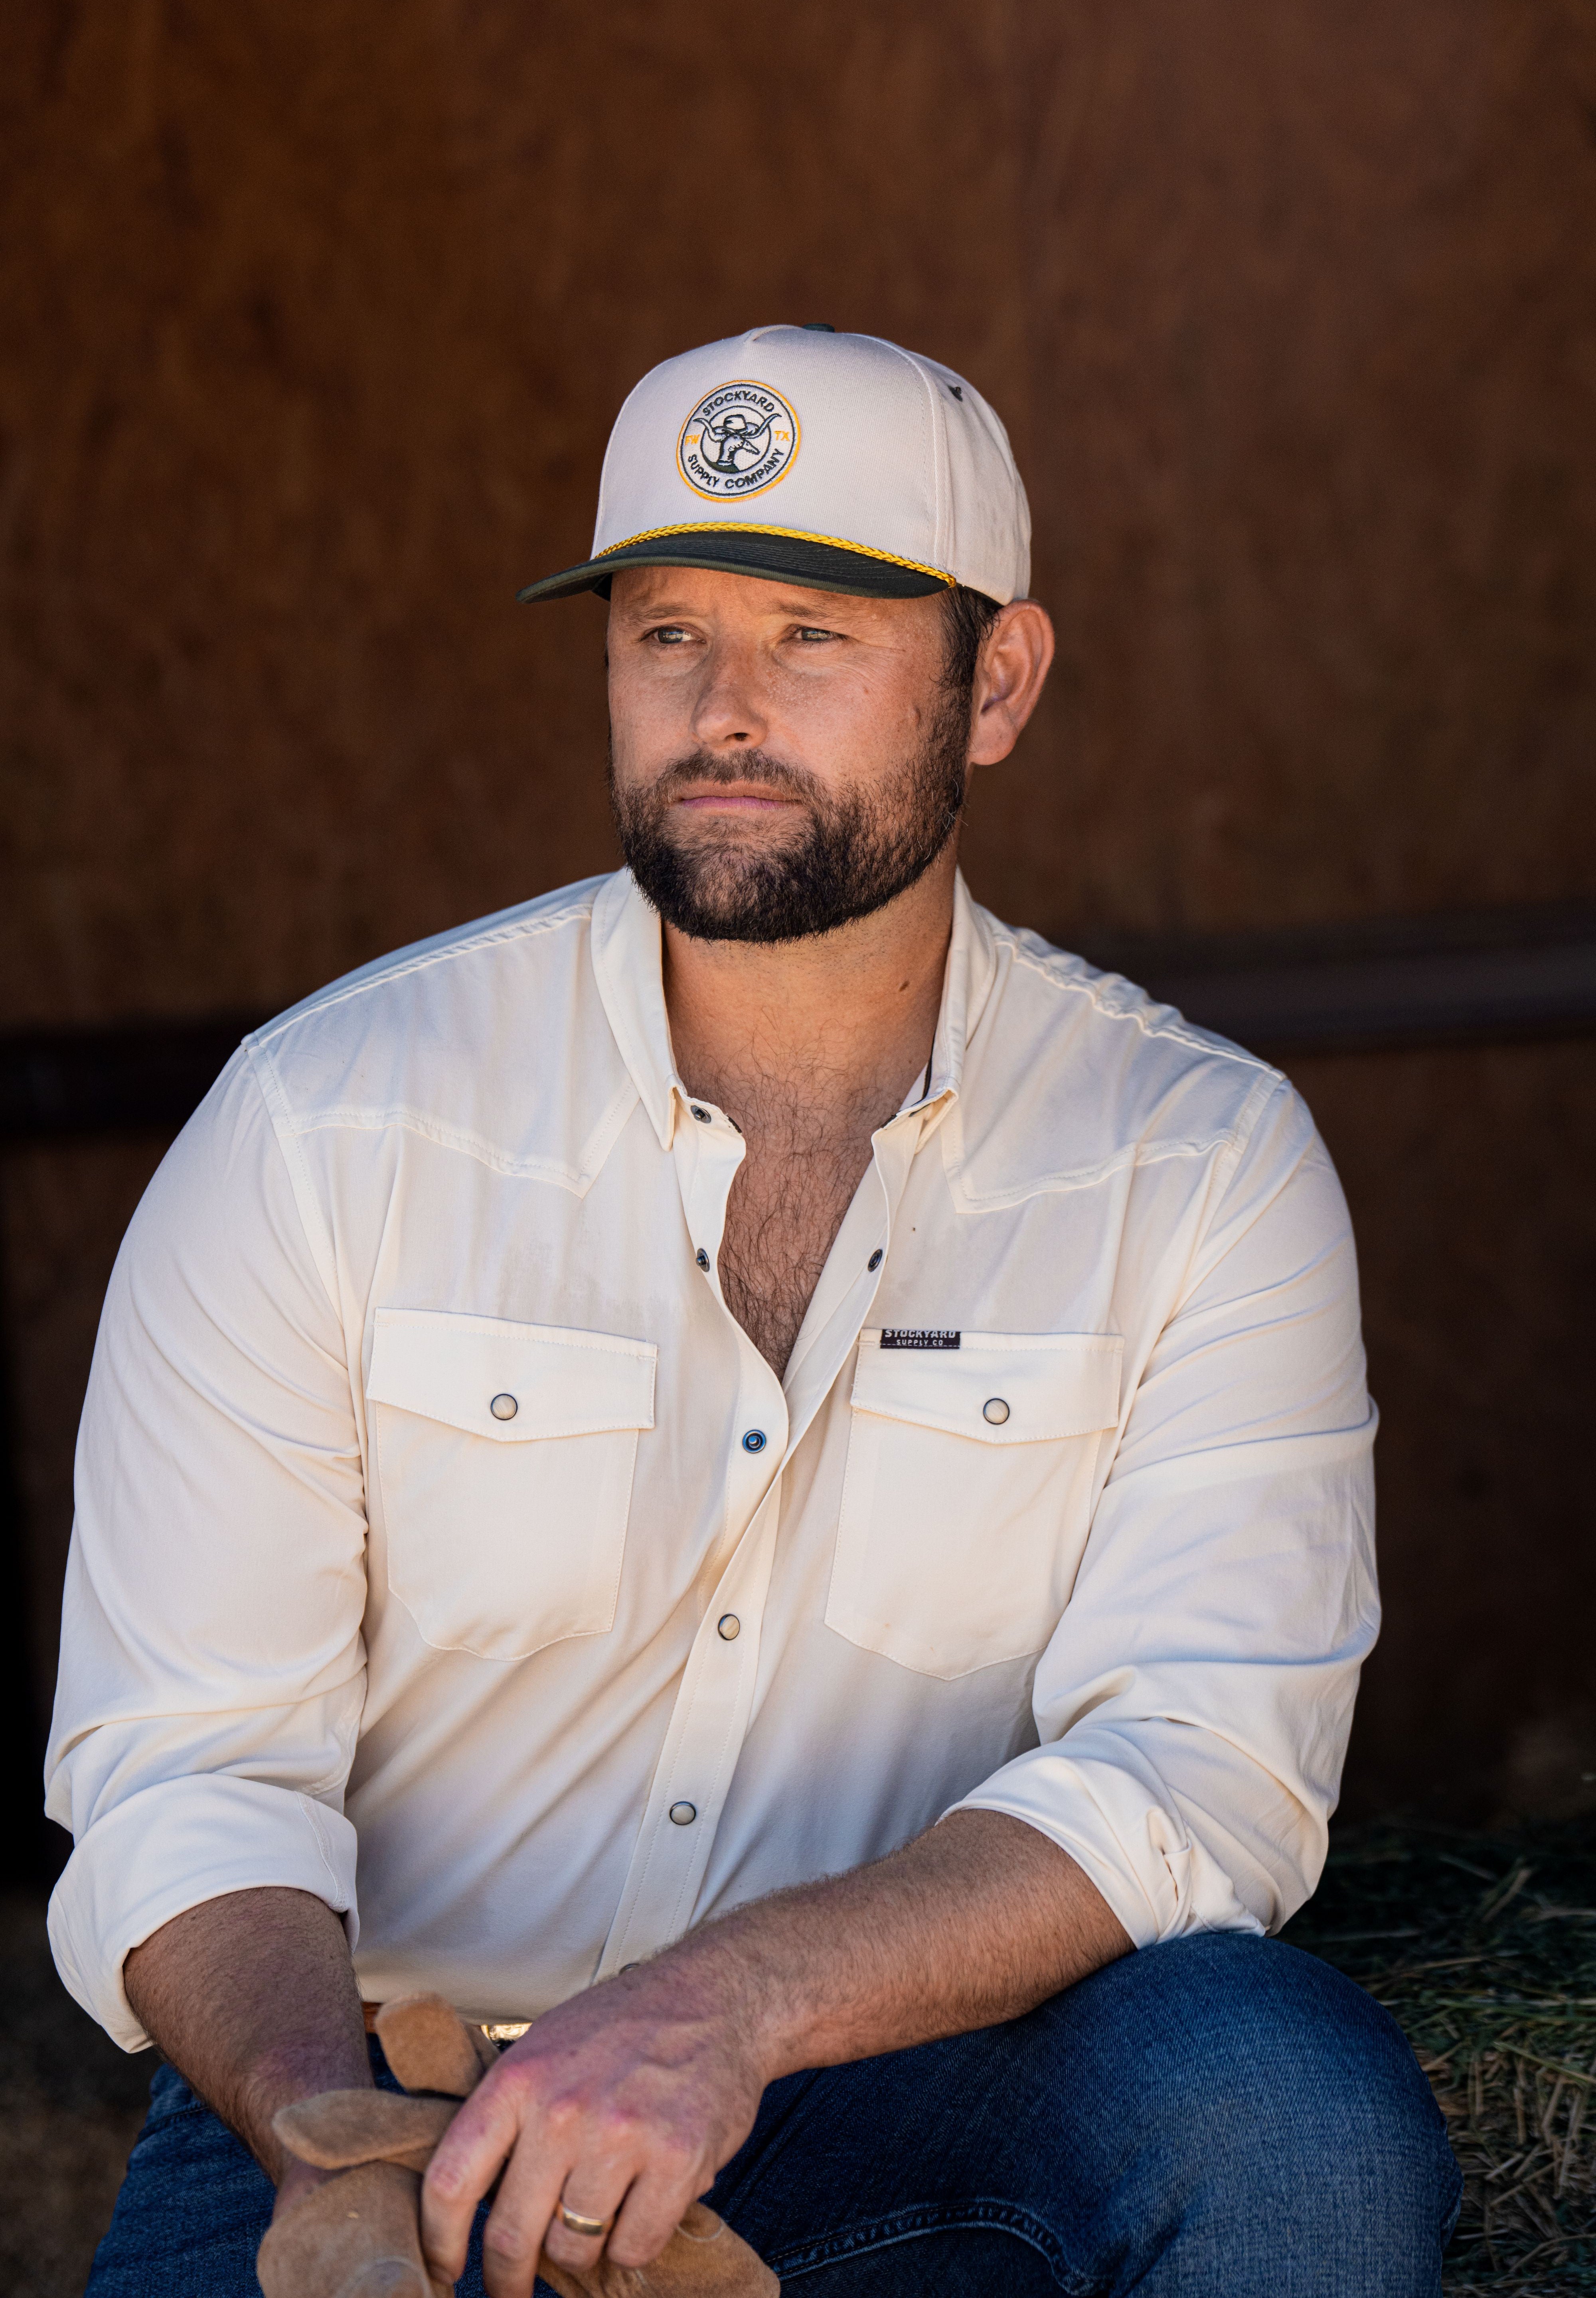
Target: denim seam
936,2218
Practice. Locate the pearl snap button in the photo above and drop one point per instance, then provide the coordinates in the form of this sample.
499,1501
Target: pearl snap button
701,1115
874,1261
728,1627
995,1410
503,1407
702,1258
753,1442
683,1815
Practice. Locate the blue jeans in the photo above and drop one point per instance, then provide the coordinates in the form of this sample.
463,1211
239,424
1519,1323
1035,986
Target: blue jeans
1222,2115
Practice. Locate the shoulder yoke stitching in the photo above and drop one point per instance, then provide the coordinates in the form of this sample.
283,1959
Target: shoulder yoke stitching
513,931
1182,1032
359,1117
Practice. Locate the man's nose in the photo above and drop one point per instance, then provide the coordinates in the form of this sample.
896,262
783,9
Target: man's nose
728,712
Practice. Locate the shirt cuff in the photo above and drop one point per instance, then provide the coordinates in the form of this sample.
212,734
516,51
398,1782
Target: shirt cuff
172,1847
1106,1805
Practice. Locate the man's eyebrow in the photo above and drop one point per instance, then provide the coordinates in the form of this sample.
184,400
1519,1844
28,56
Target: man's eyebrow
665,610
779,610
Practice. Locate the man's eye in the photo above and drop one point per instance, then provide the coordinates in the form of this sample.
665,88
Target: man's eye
811,633
669,635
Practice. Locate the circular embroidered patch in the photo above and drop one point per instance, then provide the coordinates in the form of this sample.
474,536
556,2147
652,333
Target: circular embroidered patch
738,439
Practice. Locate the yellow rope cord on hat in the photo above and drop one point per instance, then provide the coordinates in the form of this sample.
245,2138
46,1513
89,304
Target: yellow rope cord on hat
795,533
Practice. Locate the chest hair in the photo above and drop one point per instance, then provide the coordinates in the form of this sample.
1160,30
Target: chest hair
807,1155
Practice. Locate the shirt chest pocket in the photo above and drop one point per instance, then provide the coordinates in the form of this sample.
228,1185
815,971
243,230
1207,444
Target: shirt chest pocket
504,1456
967,1493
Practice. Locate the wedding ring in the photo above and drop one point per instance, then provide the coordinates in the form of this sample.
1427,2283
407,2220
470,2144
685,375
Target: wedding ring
574,2221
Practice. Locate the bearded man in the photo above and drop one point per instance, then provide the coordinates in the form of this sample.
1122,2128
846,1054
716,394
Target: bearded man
760,1480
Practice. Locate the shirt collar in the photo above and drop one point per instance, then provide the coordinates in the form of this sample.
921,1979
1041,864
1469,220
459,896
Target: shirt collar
627,946
966,991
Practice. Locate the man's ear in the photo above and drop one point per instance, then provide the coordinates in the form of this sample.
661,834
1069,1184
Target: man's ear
1014,662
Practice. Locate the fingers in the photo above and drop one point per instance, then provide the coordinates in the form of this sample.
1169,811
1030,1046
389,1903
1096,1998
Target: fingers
635,2187
469,2157
524,2219
654,2207
636,2218
518,2224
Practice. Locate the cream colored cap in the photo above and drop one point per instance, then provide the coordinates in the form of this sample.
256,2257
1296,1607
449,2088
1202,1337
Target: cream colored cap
840,462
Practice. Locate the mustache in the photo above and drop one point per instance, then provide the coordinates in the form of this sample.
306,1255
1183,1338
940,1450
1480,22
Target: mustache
748,766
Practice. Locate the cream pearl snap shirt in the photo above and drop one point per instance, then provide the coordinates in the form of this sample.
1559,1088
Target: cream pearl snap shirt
445,1549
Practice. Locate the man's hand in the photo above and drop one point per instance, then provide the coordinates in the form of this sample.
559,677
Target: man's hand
626,2101
622,2104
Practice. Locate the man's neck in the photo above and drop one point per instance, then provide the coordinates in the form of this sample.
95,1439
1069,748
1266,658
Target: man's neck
842,1022
808,1046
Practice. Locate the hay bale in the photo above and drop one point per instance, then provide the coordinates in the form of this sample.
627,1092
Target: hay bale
1485,1947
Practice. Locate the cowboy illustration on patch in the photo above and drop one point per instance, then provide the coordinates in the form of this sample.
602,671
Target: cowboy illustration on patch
738,441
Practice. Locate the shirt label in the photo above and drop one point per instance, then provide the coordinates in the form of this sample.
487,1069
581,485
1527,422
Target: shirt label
920,1340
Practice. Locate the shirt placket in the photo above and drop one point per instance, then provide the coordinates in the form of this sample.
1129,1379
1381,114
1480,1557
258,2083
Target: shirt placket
710,1718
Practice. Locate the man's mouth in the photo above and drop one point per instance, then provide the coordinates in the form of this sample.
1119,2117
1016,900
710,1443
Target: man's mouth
735,797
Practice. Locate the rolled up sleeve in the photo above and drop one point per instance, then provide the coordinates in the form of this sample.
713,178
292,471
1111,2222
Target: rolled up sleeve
212,1667
1193,1706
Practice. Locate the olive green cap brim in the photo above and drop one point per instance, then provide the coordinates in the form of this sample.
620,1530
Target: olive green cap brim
773,558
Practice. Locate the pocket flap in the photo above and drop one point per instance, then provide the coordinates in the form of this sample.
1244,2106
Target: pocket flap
1051,1385
564,1383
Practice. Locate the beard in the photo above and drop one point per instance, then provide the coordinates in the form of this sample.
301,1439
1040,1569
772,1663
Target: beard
854,855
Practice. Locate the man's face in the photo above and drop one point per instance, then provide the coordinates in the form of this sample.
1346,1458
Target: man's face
781,760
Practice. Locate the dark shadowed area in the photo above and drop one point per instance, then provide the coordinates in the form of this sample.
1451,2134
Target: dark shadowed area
316,323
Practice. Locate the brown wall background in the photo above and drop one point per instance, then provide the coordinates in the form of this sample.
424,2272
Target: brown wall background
316,319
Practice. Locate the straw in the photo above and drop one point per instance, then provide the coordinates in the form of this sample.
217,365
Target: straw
1484,1948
